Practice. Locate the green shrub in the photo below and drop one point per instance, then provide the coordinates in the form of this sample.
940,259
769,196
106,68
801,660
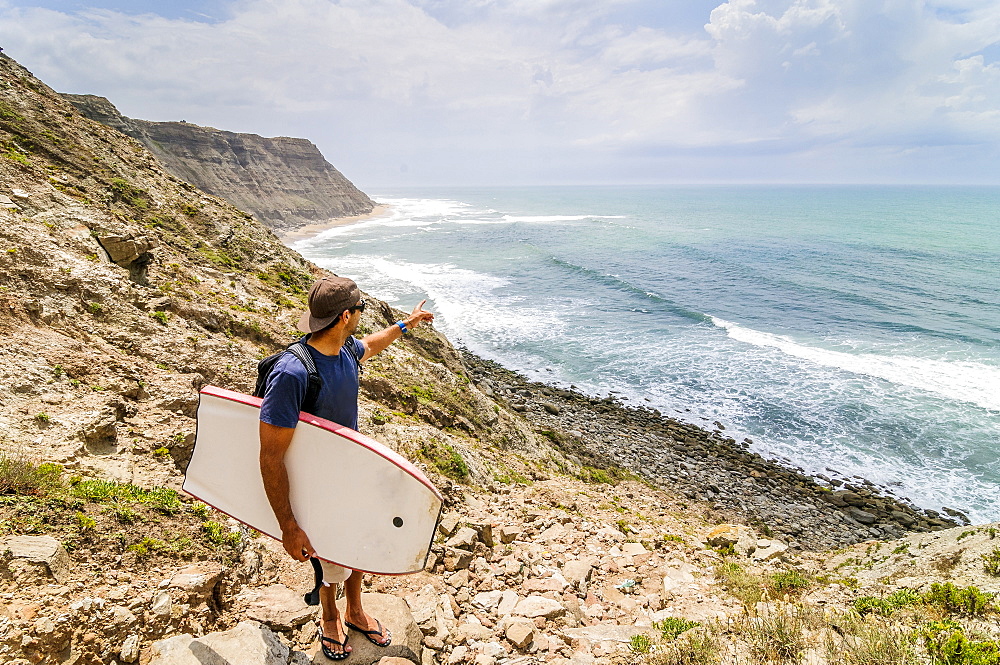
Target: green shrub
161,499
219,535
162,317
21,477
778,636
969,601
671,627
991,562
695,647
123,190
745,586
870,642
445,459
85,522
640,643
946,644
887,605
788,581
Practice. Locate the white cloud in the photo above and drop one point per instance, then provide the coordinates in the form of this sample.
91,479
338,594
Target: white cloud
505,89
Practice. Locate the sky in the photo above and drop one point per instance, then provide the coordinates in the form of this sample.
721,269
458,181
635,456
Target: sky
522,92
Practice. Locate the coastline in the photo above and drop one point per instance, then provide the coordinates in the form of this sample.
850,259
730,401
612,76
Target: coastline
312,230
706,466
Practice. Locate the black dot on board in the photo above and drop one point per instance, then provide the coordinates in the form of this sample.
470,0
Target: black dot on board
397,521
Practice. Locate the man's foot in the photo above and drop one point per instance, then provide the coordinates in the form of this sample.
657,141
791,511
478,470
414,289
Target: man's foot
337,649
373,630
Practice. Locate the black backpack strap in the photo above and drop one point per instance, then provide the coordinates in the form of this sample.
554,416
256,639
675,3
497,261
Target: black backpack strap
349,345
299,350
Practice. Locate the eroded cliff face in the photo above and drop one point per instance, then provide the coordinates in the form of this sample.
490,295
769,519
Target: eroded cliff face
285,182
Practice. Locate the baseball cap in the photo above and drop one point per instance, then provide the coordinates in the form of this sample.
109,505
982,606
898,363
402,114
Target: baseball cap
329,297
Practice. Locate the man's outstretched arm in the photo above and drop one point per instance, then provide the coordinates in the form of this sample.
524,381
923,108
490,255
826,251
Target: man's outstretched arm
380,341
274,442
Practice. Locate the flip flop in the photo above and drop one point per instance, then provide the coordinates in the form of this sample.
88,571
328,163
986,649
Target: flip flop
333,655
368,633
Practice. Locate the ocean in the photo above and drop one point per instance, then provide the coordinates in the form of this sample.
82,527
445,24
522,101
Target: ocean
845,330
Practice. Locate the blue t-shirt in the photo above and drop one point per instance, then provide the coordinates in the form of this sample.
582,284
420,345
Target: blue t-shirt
338,398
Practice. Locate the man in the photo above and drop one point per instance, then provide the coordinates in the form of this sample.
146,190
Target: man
335,308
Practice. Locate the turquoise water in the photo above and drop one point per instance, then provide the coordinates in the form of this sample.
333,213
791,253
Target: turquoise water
853,329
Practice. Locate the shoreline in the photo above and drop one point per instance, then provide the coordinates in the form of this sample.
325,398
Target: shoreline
812,512
312,230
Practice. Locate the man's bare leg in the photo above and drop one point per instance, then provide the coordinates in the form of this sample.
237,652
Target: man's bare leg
333,627
355,614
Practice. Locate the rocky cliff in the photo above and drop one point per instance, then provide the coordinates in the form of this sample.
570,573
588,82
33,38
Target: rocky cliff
285,182
123,289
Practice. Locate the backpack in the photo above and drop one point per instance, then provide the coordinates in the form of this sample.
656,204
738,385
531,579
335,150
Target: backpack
299,350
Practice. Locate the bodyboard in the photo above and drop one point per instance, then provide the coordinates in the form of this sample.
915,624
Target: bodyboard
362,505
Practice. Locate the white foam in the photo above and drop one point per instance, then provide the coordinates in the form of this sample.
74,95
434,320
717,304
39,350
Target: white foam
556,218
964,381
469,303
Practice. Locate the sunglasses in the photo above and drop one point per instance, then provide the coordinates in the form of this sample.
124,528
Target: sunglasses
360,307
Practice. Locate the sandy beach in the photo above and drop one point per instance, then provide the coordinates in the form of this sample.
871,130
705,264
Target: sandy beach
311,230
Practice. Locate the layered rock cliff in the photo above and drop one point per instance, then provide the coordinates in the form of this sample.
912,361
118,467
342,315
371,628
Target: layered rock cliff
285,182
124,288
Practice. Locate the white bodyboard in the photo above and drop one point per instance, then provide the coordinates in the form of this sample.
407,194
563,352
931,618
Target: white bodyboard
361,504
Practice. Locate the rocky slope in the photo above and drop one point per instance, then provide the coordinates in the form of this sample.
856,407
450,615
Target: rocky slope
285,182
123,289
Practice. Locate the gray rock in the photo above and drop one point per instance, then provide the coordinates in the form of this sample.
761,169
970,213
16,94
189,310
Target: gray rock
33,559
129,651
247,644
456,559
605,633
577,572
509,533
198,580
162,604
276,606
422,605
520,632
393,612
473,632
539,606
508,601
464,539
740,538
448,524
769,549
860,515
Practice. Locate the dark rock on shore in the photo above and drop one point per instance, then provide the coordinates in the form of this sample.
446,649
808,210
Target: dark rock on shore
704,465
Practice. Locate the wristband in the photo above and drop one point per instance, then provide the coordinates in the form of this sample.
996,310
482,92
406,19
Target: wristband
402,326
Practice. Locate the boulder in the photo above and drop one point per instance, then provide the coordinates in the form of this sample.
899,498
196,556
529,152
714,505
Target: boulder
509,533
125,250
464,539
276,606
676,576
605,632
456,559
393,612
422,605
33,559
448,524
198,581
508,601
247,644
769,549
577,572
520,632
539,606
740,538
